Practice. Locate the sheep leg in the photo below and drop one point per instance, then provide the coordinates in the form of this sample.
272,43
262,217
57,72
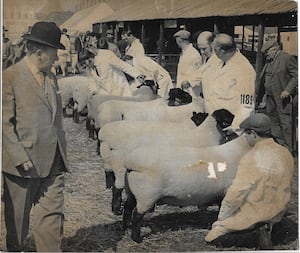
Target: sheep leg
116,201
137,221
95,133
76,116
264,237
65,112
91,129
109,179
98,147
129,205
88,124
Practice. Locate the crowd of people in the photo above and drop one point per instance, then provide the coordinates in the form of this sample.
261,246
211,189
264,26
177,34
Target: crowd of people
33,139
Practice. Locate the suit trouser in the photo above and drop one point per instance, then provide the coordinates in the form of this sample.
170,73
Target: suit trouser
281,128
44,196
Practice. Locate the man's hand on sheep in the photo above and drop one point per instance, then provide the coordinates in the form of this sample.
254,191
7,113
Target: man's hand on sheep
185,85
141,78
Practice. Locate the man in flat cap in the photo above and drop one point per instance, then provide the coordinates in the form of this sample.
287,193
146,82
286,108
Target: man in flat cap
261,189
189,63
278,81
34,146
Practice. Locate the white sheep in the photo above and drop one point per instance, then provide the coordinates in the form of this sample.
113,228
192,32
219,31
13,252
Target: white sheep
178,175
141,94
76,88
114,149
155,110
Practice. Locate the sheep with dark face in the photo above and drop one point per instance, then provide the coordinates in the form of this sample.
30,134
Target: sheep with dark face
141,94
118,139
178,175
155,110
75,88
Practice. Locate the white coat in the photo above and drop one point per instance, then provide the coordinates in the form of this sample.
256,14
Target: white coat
231,87
260,191
153,71
111,79
135,49
189,63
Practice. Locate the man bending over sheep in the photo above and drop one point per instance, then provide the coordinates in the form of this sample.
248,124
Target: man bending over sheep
261,189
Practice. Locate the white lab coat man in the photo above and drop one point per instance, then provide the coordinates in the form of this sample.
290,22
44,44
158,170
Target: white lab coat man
110,78
231,85
153,71
189,63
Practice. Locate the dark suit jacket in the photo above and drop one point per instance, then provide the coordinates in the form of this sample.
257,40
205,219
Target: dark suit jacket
32,126
283,77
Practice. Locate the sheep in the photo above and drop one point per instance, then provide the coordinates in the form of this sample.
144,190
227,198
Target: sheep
114,149
155,110
178,175
74,88
144,93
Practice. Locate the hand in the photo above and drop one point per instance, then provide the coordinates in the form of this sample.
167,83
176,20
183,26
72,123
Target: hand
141,78
229,129
185,85
284,94
27,165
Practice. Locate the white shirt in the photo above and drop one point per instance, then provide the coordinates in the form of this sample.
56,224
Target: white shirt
135,49
189,63
153,71
112,80
231,87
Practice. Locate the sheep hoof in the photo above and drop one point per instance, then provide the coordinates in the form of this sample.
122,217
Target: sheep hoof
136,237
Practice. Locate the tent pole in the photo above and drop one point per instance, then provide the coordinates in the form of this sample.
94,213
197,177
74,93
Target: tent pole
160,42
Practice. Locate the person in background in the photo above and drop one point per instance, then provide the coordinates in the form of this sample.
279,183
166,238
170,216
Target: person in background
34,145
20,49
110,41
189,64
79,45
278,81
261,189
210,61
135,47
64,56
7,50
109,72
231,85
122,44
152,71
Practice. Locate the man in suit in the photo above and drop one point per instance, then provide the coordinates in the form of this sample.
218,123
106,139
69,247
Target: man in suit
34,147
278,81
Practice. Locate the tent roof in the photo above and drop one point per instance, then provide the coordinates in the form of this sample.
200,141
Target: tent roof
83,20
134,10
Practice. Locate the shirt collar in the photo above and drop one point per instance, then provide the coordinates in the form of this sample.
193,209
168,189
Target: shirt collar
32,67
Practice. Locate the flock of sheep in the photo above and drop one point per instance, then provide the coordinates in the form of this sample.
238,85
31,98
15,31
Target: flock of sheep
156,152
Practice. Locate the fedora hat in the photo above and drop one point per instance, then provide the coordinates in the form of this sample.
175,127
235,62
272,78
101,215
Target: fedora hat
46,33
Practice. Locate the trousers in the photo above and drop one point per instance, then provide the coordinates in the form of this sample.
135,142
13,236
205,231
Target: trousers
44,197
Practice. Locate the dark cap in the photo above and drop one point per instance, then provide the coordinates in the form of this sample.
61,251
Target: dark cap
183,34
259,122
46,33
268,44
